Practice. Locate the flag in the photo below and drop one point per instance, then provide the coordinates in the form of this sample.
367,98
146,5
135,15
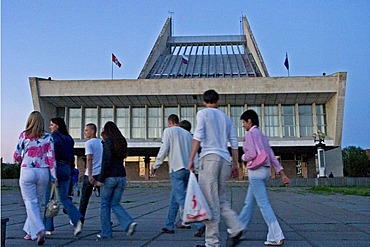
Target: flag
115,60
286,62
184,59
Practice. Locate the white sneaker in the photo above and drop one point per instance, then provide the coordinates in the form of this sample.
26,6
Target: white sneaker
131,228
48,233
78,228
70,222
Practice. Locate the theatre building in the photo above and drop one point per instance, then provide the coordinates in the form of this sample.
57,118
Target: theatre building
177,72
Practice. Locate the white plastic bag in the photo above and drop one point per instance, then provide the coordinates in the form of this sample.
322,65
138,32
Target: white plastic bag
196,208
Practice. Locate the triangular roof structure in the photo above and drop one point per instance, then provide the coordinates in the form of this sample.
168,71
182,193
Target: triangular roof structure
221,56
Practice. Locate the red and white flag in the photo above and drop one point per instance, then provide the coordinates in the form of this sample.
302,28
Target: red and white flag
115,60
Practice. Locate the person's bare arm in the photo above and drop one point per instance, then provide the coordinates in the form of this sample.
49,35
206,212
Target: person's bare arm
194,149
89,158
235,166
284,178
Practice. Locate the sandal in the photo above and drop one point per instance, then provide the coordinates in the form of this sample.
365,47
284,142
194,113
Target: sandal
27,237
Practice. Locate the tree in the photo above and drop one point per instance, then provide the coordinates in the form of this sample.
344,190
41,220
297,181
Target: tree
355,161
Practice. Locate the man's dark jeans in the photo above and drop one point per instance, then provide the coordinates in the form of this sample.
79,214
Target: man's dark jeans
86,192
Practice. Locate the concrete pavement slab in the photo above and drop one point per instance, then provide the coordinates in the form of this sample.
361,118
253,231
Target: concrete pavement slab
307,219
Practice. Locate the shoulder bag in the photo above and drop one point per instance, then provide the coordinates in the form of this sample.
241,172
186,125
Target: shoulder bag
260,159
52,208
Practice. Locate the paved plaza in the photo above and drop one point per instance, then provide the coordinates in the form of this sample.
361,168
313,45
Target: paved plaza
307,219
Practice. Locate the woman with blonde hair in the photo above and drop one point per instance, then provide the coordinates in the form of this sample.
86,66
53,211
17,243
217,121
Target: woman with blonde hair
35,153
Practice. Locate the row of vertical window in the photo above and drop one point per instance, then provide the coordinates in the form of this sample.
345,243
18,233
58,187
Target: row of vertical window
149,122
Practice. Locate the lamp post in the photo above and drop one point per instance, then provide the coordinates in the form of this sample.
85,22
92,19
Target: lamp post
319,137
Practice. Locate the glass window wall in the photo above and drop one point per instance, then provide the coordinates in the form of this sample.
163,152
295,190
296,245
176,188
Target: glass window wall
154,122
305,120
235,112
168,111
257,109
138,122
123,121
188,113
75,117
321,118
91,116
106,114
272,121
288,118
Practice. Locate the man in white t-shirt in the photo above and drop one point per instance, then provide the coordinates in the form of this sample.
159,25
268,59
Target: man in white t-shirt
176,144
213,132
94,154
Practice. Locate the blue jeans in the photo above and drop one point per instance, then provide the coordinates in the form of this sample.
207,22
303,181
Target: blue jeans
257,194
110,197
64,178
179,181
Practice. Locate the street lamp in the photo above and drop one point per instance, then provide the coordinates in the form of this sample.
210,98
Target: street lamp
319,137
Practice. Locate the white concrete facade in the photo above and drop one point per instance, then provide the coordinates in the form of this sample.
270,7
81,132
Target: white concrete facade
57,97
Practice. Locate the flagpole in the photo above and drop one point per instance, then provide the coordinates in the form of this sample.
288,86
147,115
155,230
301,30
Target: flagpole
112,70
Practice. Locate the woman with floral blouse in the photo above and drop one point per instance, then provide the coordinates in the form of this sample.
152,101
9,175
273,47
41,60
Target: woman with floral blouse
35,153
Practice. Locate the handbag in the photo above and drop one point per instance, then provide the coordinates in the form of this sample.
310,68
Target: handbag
260,159
196,208
52,208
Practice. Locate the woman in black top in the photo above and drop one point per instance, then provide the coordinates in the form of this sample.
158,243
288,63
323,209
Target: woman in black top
113,181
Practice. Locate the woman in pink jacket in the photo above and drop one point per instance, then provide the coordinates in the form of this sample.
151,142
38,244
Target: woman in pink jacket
258,176
35,153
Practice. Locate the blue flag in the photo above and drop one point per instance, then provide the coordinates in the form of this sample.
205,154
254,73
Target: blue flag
286,62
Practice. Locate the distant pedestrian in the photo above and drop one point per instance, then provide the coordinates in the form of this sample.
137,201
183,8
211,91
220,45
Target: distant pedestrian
213,131
331,175
113,181
35,153
257,193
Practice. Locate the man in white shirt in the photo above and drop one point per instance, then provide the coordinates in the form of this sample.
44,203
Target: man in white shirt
94,154
176,144
213,131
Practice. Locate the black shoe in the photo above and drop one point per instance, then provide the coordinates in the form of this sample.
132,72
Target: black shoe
200,232
181,226
165,230
233,241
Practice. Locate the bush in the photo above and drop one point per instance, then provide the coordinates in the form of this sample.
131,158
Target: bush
355,162
10,171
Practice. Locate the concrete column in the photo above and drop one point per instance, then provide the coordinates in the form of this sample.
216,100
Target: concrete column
147,167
